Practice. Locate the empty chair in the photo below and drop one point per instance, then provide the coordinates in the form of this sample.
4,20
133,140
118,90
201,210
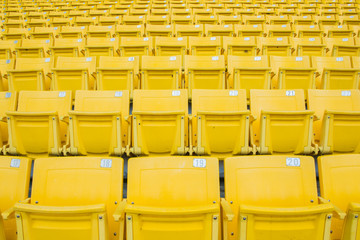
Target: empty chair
100,31
33,48
339,178
67,48
129,30
98,46
161,72
204,72
74,73
248,72
85,21
306,31
220,123
335,73
342,31
277,46
30,74
326,20
72,32
159,30
15,33
219,30
177,210
109,20
14,181
278,20
240,46
158,20
98,125
205,46
39,127
133,20
7,48
130,46
278,113
170,46
302,20
292,73
280,203
342,46
182,20
212,19
118,73
61,21
284,30
338,110
251,20
44,33
8,102
312,46
76,203
160,122
189,30
249,30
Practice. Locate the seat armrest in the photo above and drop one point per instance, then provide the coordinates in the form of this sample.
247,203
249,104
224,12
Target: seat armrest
9,212
337,211
119,211
228,213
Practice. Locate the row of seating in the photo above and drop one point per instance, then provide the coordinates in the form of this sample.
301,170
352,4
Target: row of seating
220,123
163,72
266,197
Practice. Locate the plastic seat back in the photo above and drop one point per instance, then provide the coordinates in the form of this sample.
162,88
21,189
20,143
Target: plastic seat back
342,46
170,46
205,46
14,184
33,48
189,30
160,122
182,204
98,46
276,46
130,30
312,46
240,46
8,102
130,46
5,65
7,47
75,185
159,30
281,202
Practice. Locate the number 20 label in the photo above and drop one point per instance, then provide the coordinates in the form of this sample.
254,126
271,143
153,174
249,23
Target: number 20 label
293,162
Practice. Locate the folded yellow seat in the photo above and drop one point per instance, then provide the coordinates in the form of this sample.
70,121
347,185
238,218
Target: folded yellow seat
274,197
72,198
282,19
338,111
159,30
101,46
189,30
14,183
278,113
239,46
220,123
99,124
42,114
182,212
219,30
341,31
302,20
133,20
205,46
136,46
160,122
101,31
33,48
67,47
276,46
7,48
158,19
15,33
306,31
308,46
171,46
342,46
130,30
182,19
109,20
44,33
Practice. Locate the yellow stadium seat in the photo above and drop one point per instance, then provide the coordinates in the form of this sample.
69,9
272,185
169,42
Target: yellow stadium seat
352,20
14,183
32,23
170,46
336,73
240,46
254,20
339,178
342,46
41,114
133,20
306,31
206,20
205,46
292,73
101,31
276,46
249,30
30,74
12,23
302,20
67,48
15,33
33,48
130,30
204,72
189,30
99,123
130,46
181,19
61,22
44,33
158,20
85,21
72,32
76,203
227,20
7,48
278,113
341,31
5,65
97,13
118,73
248,72
326,21
338,111
160,122
98,46
220,123
161,72
355,29
182,212
284,30
159,30
312,46
8,102
278,20
219,30
274,197
109,20
161,11
74,73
